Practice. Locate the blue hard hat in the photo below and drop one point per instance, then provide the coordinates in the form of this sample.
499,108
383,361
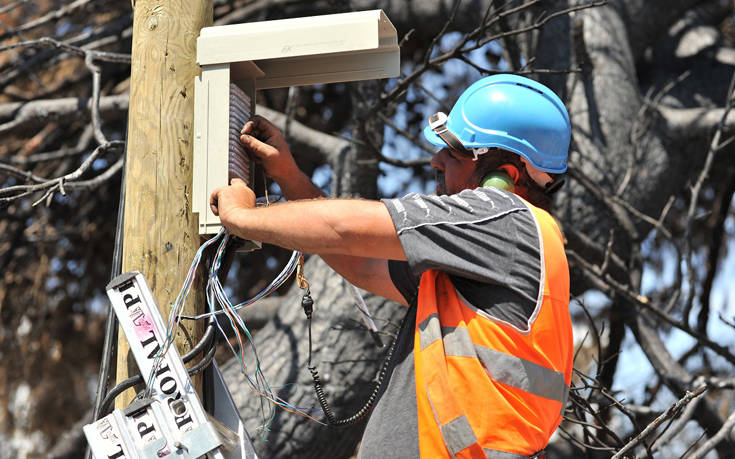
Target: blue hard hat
509,112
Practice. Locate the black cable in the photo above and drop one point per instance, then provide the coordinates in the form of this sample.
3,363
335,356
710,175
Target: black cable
117,390
105,406
111,321
307,303
206,360
209,333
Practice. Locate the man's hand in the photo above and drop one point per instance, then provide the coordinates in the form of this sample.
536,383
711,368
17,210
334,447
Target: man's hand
268,146
227,201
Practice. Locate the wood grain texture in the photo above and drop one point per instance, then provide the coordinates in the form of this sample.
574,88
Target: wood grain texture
160,233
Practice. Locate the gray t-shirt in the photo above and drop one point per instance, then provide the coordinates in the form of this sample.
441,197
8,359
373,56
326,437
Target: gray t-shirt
487,240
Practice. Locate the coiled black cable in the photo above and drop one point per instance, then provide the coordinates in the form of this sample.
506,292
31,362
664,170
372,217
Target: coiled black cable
209,335
106,405
208,338
206,360
308,304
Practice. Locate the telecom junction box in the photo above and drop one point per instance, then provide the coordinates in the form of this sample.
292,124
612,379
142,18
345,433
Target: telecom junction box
239,59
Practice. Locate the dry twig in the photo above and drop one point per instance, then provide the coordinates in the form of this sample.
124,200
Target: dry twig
669,413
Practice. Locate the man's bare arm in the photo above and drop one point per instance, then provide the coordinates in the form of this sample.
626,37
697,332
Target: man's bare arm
355,237
325,226
266,144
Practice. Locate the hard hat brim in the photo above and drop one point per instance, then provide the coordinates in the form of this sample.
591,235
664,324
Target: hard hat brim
433,139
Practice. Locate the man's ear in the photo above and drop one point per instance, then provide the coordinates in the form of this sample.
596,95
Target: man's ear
512,172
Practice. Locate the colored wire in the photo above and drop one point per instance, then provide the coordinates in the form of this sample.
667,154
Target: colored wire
272,287
220,307
258,383
366,317
178,306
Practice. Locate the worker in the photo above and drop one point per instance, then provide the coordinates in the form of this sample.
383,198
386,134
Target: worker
483,361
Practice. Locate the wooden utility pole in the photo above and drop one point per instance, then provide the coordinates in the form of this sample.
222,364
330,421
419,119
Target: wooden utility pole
160,232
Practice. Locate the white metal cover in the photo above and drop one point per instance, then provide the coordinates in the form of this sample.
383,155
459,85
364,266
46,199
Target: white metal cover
109,438
212,138
310,50
147,433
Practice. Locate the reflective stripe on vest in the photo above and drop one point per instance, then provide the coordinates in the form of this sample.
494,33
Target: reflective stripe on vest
483,387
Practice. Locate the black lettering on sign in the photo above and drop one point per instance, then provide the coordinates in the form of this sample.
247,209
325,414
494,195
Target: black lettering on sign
168,385
144,429
118,454
184,418
130,300
164,368
150,340
125,286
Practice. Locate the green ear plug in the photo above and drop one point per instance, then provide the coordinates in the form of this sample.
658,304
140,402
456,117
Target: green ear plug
500,180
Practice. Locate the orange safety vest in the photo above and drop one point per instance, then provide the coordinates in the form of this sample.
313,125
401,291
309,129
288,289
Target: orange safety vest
483,387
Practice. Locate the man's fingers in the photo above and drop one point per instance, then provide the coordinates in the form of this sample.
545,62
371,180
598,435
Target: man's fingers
261,124
213,202
263,130
237,181
260,127
258,148
248,127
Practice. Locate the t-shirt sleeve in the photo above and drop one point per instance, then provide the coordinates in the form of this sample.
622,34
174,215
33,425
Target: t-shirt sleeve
486,240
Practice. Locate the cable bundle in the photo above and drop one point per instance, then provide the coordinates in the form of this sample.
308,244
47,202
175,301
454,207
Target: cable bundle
177,308
219,304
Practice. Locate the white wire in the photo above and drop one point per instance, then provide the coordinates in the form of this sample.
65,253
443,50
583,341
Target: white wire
362,307
177,307
277,282
217,297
